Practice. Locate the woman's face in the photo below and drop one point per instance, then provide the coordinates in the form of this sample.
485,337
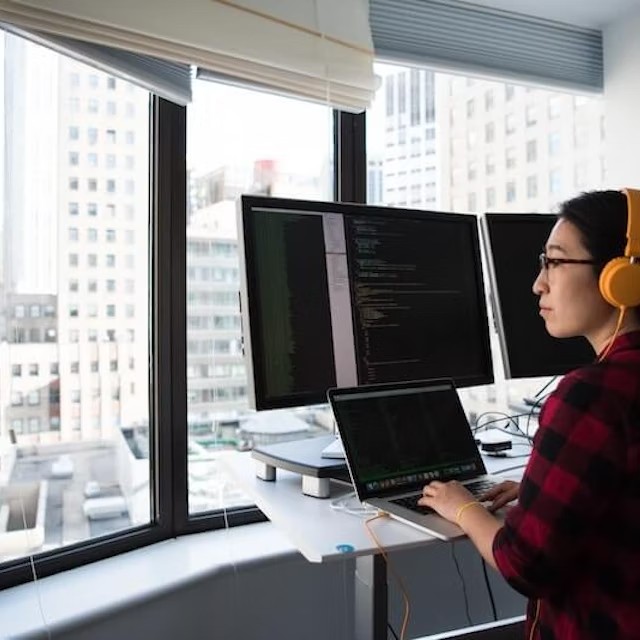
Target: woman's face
570,300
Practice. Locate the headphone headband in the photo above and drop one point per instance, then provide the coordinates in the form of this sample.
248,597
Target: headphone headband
632,249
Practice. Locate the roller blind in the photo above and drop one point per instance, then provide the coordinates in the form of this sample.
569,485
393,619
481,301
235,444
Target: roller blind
170,80
317,49
460,36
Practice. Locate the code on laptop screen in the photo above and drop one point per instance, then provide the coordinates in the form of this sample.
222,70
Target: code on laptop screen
397,437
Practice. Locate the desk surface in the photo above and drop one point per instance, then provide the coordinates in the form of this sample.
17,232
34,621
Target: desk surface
311,524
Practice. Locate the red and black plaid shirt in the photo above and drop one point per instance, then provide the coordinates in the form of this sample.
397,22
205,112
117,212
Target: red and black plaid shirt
572,541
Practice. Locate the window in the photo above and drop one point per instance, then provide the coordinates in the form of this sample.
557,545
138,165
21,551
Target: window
58,177
532,150
510,194
489,99
555,181
489,132
489,164
532,187
491,197
471,108
510,158
554,143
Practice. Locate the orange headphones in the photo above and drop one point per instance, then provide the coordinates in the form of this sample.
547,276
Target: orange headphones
620,278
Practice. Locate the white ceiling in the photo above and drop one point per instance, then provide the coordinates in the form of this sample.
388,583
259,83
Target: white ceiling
594,14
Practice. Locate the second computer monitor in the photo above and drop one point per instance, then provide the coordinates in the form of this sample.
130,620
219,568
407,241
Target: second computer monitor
338,294
513,243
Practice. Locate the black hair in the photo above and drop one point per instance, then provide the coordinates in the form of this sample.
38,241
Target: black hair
601,219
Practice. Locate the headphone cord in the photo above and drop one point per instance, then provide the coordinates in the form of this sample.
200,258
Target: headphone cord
604,354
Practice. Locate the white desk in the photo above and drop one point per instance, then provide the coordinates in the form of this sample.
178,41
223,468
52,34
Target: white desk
318,531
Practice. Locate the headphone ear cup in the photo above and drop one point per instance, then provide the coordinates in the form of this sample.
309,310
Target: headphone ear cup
620,283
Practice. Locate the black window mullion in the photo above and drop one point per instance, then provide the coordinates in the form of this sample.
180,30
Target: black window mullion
350,179
169,289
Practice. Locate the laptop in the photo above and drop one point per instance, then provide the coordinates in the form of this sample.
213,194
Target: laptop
398,437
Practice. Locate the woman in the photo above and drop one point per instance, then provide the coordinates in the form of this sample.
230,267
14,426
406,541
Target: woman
571,542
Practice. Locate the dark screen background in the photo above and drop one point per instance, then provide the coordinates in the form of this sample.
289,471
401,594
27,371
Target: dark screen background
515,241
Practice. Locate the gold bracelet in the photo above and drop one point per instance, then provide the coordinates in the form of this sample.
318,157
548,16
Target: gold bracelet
463,508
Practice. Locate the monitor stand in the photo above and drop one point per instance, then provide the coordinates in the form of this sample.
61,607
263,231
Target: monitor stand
303,457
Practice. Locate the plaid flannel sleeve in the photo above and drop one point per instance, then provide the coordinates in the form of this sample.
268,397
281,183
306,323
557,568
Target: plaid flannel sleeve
575,466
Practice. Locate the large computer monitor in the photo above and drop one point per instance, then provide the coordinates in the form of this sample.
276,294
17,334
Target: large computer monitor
513,242
336,294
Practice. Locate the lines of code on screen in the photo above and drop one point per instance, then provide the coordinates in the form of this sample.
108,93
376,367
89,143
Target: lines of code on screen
414,288
294,323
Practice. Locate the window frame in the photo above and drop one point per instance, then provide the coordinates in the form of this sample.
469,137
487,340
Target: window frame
168,431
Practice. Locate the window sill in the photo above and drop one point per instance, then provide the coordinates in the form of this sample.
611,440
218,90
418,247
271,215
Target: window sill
77,596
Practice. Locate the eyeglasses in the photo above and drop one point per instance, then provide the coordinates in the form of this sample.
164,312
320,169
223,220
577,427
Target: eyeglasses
546,262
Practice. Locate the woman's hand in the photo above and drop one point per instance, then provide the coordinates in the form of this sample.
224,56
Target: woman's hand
500,494
446,498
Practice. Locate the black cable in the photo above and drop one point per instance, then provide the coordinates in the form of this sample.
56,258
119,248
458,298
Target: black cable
544,386
489,590
513,419
395,635
503,416
464,586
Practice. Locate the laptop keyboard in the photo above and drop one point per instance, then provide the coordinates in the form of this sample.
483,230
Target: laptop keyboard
477,488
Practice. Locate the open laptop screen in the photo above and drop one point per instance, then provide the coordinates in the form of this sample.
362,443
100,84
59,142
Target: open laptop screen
400,436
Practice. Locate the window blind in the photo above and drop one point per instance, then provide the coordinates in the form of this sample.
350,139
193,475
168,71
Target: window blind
170,80
460,36
318,49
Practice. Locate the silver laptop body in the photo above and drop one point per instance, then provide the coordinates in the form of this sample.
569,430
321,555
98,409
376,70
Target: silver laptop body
398,437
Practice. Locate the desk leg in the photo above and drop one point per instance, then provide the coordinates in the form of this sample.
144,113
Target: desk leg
370,595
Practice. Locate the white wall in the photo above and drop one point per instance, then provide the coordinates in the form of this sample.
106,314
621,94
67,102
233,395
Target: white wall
622,101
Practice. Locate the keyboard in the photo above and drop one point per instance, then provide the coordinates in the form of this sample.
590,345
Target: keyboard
477,488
